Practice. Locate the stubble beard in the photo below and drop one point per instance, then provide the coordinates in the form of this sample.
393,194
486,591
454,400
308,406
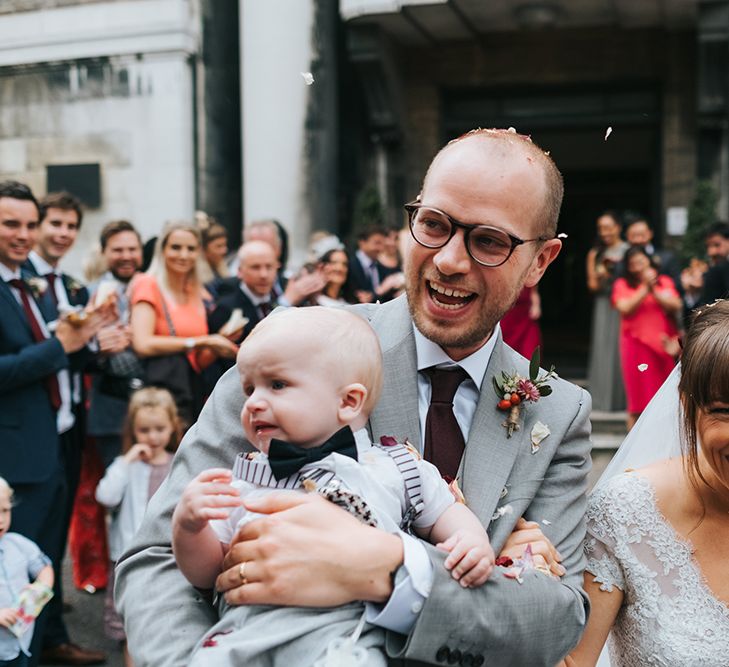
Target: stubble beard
467,336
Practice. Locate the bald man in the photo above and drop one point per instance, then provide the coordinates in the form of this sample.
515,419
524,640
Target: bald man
257,270
483,228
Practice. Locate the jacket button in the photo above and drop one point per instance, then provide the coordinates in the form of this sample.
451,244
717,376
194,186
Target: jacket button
455,657
467,660
443,654
478,661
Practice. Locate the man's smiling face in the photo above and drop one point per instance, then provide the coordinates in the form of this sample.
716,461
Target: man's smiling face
453,300
18,230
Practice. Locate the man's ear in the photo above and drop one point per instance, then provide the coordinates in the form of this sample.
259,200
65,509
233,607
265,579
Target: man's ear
352,402
544,257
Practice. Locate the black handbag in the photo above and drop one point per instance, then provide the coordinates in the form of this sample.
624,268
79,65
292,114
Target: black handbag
122,374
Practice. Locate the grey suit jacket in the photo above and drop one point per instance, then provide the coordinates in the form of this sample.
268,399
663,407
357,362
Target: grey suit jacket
501,623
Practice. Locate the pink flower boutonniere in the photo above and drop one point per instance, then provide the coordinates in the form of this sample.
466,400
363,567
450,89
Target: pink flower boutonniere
513,390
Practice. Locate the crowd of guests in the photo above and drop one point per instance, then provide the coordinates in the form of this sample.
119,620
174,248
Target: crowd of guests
127,362
641,301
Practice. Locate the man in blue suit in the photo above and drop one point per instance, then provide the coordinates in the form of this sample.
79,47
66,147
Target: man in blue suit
34,384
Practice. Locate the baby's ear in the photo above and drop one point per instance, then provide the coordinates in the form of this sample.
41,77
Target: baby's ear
352,402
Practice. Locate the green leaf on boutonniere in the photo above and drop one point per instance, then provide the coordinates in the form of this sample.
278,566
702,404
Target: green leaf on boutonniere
534,364
545,390
497,388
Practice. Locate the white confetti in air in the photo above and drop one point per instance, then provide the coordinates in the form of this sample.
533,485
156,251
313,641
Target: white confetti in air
608,132
308,78
642,367
546,522
502,511
562,236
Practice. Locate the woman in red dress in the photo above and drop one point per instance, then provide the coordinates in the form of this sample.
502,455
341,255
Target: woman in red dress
648,304
520,326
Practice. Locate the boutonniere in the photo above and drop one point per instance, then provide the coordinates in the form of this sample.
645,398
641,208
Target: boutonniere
514,390
37,286
73,286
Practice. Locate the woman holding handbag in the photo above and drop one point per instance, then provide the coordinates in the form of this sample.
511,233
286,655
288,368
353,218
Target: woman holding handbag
169,319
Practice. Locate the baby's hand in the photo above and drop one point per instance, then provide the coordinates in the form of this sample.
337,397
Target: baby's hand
470,557
8,616
138,452
205,498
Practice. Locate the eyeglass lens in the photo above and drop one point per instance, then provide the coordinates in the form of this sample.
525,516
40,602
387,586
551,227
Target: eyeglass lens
487,245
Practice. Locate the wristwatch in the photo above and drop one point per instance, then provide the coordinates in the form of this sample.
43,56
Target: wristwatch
189,343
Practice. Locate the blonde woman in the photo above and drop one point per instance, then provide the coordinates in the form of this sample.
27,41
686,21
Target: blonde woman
169,318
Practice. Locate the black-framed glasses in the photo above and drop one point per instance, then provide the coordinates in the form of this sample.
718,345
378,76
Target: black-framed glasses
489,246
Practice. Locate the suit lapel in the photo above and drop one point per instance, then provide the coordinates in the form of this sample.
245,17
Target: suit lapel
396,413
13,304
489,455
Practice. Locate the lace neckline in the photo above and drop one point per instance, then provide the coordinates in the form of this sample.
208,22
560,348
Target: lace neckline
683,542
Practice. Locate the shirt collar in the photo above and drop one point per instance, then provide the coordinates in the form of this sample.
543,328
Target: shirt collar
42,268
431,354
364,259
6,273
255,299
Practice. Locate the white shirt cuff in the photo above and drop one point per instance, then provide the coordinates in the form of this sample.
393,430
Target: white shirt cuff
408,596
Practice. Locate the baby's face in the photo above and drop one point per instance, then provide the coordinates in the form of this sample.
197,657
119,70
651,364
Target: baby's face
6,507
292,390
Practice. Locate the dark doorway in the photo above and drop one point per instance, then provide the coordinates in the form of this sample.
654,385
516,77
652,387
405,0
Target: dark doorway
621,172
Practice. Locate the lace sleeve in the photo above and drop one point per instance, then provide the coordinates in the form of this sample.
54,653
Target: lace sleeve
605,534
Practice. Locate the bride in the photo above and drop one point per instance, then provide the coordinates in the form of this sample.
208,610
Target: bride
657,542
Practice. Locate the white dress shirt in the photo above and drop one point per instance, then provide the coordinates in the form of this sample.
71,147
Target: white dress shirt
410,592
370,268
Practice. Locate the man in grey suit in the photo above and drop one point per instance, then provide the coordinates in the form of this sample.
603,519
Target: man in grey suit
483,227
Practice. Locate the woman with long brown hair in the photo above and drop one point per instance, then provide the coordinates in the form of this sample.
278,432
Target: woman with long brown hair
658,537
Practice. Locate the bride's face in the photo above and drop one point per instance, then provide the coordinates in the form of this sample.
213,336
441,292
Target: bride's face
712,430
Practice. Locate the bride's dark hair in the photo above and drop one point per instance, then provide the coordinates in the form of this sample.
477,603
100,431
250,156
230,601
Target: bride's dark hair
704,376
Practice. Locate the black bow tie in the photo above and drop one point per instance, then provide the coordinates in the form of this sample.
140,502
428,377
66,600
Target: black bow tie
286,459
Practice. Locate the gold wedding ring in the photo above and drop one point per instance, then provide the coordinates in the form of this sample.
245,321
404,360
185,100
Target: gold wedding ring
242,573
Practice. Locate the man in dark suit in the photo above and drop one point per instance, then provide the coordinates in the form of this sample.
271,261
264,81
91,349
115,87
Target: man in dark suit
716,279
365,272
121,247
254,295
35,391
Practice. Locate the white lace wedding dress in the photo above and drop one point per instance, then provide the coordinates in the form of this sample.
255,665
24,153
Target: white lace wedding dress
669,616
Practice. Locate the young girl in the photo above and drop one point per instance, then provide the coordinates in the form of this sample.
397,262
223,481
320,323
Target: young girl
151,433
20,560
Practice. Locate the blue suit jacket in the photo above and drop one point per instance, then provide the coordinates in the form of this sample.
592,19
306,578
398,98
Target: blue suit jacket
29,450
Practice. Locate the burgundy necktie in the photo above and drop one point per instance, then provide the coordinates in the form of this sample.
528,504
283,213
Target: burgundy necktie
51,278
444,443
51,382
266,308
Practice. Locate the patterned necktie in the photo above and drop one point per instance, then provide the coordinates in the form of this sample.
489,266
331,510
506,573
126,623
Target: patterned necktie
266,308
444,443
51,381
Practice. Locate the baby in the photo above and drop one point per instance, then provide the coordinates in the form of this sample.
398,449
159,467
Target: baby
311,377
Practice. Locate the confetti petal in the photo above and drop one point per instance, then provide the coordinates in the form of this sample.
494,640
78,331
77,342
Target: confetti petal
539,432
642,367
608,132
502,511
562,236
546,522
308,78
